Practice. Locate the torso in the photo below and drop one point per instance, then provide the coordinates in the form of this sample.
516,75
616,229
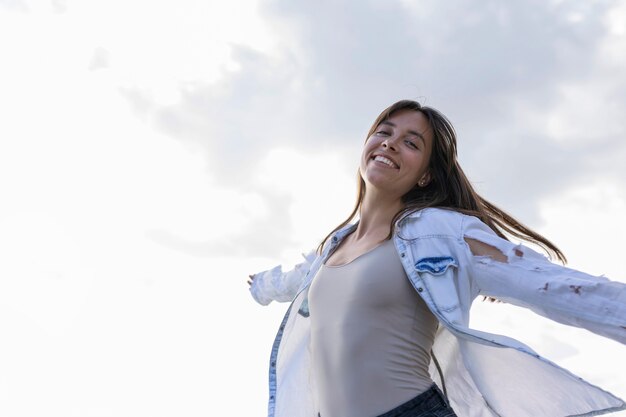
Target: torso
371,335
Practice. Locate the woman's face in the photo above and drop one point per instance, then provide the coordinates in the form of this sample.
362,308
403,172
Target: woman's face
396,156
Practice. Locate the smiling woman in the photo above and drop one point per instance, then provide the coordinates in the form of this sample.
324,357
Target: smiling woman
379,317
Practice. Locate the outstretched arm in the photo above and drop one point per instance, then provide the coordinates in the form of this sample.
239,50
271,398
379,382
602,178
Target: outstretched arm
276,285
521,276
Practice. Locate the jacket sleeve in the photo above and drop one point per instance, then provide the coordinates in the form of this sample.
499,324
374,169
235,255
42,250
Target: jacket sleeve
276,285
528,279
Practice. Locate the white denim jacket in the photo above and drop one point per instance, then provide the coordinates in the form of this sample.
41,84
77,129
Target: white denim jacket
483,374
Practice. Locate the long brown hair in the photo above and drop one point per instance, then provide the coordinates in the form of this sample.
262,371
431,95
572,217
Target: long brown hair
449,187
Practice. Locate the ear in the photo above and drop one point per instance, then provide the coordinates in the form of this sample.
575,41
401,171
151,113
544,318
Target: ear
425,179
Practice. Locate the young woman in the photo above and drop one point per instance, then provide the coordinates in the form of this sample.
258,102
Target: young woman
379,318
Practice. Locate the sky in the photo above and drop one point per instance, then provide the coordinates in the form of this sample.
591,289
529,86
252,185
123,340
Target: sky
153,154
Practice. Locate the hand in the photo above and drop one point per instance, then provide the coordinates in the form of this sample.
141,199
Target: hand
250,279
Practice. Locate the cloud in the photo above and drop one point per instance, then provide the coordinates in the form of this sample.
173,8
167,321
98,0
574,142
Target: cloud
14,5
262,235
100,59
59,6
522,84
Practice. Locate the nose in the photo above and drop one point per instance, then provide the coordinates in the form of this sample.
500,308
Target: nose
388,144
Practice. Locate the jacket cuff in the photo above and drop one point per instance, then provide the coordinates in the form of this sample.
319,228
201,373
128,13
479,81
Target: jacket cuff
261,288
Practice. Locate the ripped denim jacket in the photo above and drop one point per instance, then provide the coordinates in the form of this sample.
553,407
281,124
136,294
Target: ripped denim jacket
482,374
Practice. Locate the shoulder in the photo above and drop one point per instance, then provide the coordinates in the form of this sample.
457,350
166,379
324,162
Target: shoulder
440,222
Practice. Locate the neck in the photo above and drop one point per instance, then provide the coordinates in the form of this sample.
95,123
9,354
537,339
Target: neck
376,213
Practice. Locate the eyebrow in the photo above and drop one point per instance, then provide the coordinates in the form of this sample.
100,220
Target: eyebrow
412,132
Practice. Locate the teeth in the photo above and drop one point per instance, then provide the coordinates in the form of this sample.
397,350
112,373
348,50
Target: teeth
385,161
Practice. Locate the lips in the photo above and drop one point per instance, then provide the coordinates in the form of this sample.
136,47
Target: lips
385,160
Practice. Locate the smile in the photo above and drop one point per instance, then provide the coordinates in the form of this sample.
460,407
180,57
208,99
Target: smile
386,161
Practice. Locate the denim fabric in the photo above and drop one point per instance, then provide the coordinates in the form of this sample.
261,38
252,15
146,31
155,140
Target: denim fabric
430,403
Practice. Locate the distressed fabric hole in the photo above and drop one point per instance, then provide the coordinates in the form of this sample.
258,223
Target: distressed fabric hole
482,249
576,288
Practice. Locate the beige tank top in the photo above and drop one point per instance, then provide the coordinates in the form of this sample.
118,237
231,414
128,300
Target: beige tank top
371,335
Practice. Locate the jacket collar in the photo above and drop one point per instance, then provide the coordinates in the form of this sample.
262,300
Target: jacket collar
343,232
410,216
347,229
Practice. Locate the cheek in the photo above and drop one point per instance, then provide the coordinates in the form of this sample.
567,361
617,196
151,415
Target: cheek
418,165
370,145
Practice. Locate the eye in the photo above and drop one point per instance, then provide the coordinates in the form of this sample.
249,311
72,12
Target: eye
383,132
411,144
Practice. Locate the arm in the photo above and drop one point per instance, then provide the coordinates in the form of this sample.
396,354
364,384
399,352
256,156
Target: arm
521,276
276,285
